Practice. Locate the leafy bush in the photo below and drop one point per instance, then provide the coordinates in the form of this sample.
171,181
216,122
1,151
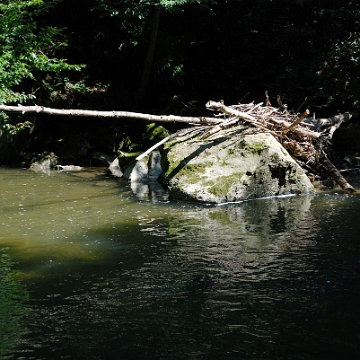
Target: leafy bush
26,49
26,59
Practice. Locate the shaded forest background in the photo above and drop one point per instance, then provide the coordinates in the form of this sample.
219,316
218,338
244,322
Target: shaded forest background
167,57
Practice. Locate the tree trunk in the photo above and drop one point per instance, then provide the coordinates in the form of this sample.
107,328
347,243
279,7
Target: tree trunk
149,56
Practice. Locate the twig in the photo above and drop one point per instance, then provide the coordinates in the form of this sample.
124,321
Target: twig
281,106
301,105
244,97
303,116
267,100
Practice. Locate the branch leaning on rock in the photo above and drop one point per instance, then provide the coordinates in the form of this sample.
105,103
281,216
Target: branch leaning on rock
168,138
234,114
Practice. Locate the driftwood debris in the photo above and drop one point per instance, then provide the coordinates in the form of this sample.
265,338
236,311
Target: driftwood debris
306,139
266,118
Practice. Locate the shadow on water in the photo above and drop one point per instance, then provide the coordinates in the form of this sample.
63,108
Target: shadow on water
265,279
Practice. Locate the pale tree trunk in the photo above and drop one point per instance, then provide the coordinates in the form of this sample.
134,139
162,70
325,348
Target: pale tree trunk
111,114
149,57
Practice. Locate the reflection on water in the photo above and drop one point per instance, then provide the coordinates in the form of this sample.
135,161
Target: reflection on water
12,298
112,277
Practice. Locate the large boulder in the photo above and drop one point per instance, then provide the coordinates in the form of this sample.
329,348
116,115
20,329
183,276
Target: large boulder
233,165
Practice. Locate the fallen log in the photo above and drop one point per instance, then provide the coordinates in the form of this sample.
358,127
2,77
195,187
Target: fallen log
110,114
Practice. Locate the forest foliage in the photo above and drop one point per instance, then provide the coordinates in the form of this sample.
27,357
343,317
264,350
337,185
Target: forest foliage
167,56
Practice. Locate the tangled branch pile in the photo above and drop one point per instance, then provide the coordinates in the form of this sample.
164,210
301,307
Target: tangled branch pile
305,139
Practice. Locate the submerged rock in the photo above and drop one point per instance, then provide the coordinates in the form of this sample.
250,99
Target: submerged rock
232,165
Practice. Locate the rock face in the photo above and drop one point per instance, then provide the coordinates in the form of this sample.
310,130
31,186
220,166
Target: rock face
44,161
233,165
148,169
115,168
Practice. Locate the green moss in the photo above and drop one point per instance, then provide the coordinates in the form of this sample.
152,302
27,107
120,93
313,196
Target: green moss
196,168
223,184
172,165
193,171
154,130
168,145
169,162
242,145
256,148
210,183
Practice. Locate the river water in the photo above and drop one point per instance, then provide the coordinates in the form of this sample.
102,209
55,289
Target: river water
88,270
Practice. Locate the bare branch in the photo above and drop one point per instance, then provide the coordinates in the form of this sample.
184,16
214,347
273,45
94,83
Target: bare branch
303,116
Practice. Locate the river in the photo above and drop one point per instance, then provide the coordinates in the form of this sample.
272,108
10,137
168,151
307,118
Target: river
88,270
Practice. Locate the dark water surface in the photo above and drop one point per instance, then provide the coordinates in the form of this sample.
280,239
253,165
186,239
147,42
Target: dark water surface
104,275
